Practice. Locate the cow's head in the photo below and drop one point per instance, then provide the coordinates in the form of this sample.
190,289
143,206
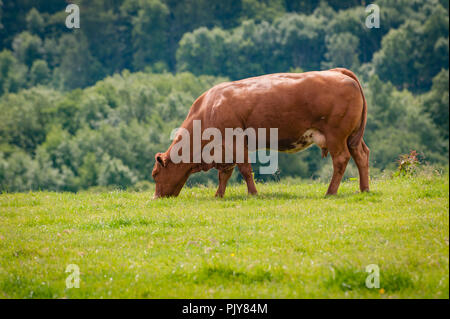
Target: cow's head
169,177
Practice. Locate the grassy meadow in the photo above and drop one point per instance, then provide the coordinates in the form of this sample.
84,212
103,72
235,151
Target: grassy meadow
290,241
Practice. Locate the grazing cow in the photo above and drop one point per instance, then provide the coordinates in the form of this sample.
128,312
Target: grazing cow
327,108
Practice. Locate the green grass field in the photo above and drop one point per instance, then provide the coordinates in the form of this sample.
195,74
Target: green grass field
288,242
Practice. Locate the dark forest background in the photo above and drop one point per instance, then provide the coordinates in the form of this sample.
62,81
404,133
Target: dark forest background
90,107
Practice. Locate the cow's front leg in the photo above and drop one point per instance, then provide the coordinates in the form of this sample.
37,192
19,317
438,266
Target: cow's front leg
246,171
224,176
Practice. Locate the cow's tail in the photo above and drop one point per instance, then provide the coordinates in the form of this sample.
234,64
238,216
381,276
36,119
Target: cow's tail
355,139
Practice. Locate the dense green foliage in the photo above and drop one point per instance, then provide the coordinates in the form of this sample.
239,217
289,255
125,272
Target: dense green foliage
91,106
288,242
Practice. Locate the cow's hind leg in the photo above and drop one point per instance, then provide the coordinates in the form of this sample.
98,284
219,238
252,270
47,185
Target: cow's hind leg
246,171
224,176
360,155
340,156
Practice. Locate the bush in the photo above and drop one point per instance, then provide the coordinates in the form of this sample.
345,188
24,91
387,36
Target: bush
408,164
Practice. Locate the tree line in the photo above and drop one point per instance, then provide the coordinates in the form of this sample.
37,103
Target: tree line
90,107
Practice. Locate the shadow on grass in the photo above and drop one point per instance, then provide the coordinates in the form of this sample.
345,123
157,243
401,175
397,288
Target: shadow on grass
266,195
225,274
356,196
20,287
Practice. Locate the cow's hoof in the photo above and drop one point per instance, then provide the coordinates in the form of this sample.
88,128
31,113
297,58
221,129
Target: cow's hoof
219,195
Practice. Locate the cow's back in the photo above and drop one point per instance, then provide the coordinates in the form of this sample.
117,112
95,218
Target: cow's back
291,102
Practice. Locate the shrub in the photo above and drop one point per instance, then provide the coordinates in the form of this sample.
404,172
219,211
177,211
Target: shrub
408,164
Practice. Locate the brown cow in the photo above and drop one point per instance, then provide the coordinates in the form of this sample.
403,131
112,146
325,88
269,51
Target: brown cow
327,108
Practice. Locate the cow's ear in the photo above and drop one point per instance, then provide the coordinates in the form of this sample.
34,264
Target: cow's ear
159,158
